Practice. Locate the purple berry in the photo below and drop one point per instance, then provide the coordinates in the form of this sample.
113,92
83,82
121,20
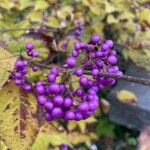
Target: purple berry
51,78
83,107
83,81
75,53
19,64
95,39
41,100
58,100
70,115
67,102
78,116
48,105
71,62
79,72
18,81
77,45
112,60
55,71
95,72
48,116
35,68
105,47
57,112
54,88
40,89
29,46
35,53
27,87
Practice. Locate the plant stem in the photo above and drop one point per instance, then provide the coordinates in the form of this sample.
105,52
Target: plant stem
123,77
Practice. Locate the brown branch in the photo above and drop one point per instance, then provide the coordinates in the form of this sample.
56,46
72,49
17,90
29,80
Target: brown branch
123,77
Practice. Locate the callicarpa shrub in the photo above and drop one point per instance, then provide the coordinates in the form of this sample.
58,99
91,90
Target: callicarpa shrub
59,99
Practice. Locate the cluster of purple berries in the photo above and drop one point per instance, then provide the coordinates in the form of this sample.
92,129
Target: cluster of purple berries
21,65
20,75
58,98
99,57
62,102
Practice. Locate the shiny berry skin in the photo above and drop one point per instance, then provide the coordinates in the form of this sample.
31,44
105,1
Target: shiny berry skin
48,105
95,39
58,100
29,46
79,72
112,60
71,62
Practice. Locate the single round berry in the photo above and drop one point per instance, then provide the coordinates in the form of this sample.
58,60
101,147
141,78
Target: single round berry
71,62
27,87
67,102
19,64
78,116
29,46
83,81
54,88
40,90
110,43
41,100
51,78
54,71
112,60
18,81
48,105
48,116
79,72
83,107
77,45
95,72
58,100
70,115
75,53
95,39
35,68
105,47
57,112
79,92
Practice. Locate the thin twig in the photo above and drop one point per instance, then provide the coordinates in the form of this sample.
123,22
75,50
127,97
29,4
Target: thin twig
123,77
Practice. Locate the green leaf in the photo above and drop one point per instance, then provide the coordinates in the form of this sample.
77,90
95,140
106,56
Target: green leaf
105,128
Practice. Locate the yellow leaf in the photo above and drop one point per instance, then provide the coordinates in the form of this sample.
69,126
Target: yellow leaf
7,61
109,8
35,15
49,134
52,22
144,15
111,19
126,96
75,82
19,126
3,146
76,138
82,124
26,3
41,4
